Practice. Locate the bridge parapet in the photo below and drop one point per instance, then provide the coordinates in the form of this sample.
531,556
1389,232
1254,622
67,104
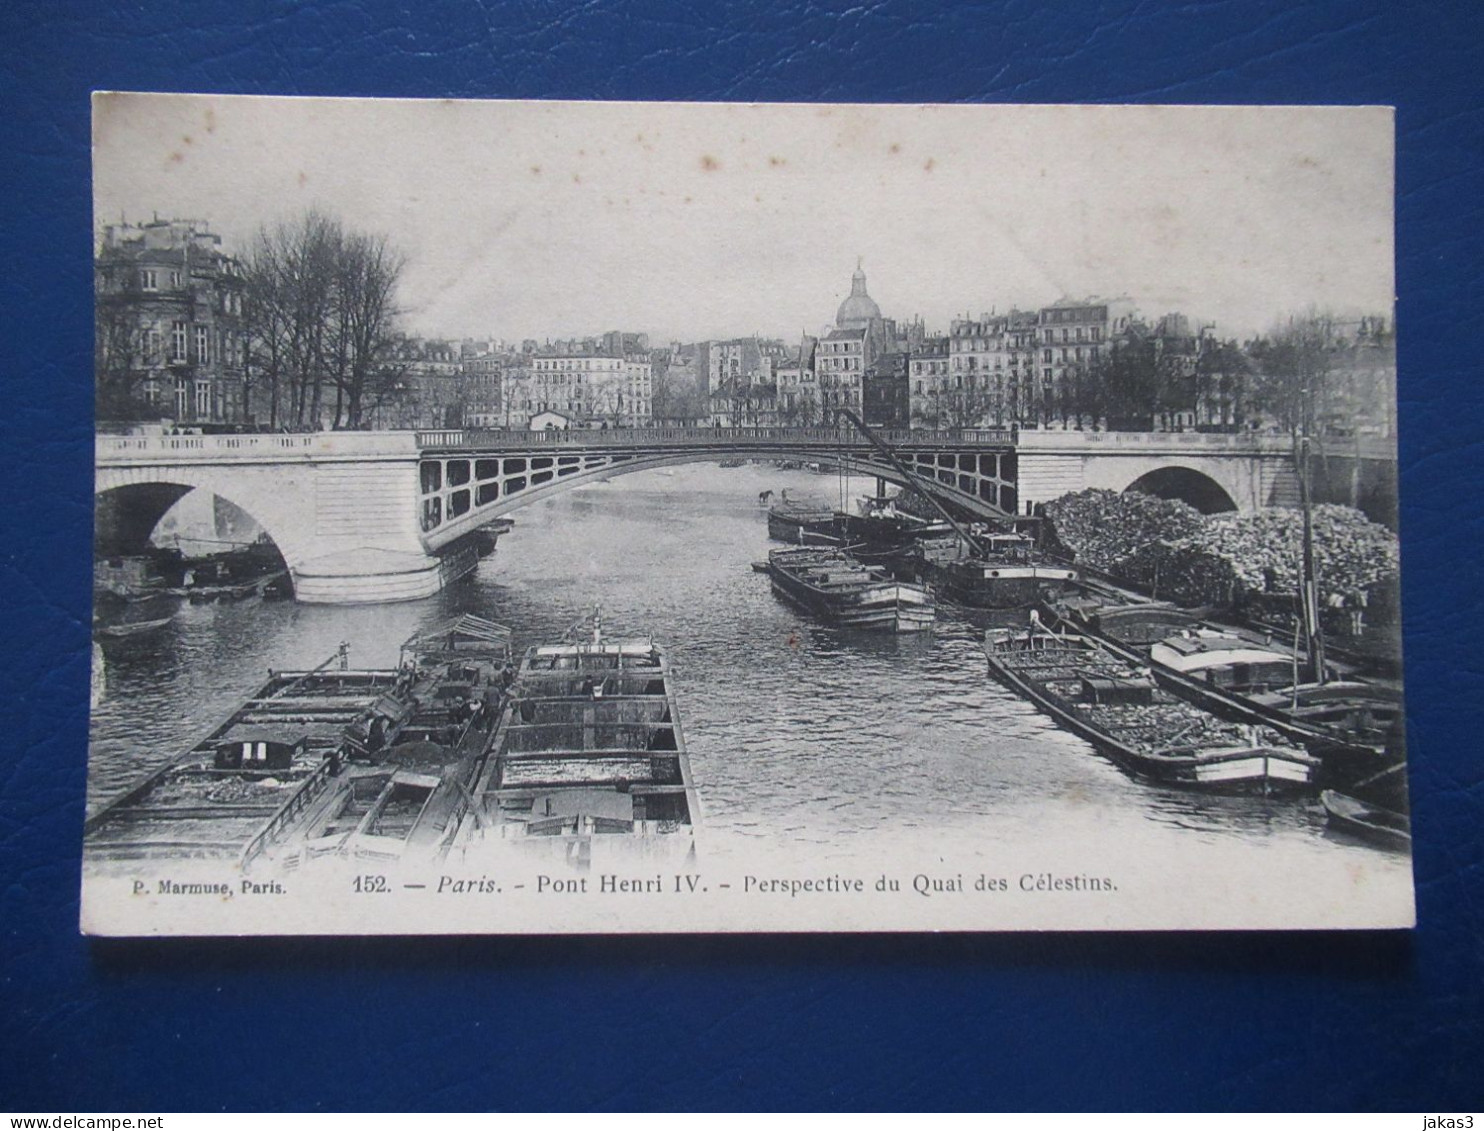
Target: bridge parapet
1263,444
255,447
1183,443
804,439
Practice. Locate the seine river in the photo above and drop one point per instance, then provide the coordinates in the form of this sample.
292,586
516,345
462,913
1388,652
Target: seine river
802,739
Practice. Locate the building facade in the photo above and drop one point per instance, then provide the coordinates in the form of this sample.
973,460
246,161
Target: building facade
1073,342
929,386
885,391
169,339
798,386
589,387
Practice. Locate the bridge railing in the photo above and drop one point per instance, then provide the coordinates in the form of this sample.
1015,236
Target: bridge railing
253,445
1196,443
771,437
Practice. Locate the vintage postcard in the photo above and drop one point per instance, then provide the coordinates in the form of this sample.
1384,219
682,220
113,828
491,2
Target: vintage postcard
544,517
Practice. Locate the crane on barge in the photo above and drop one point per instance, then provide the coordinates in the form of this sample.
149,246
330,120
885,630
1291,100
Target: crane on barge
915,481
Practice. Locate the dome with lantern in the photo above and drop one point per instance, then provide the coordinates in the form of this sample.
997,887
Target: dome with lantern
859,310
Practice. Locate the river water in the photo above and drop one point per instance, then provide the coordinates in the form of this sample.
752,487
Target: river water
804,740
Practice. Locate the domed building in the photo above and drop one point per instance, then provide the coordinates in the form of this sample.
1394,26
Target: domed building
859,311
849,348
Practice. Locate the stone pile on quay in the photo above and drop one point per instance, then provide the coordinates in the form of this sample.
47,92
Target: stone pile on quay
1223,559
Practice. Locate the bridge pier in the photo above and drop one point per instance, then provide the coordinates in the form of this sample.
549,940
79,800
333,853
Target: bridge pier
368,575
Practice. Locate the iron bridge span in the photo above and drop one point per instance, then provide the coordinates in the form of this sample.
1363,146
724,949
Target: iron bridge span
467,478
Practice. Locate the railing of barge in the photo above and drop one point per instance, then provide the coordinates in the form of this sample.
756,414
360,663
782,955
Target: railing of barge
312,787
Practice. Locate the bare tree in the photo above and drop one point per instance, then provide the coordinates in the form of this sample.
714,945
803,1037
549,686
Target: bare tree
1222,374
367,271
1292,381
119,359
970,406
321,317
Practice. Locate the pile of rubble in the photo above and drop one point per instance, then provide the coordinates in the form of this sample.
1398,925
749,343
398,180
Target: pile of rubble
1178,554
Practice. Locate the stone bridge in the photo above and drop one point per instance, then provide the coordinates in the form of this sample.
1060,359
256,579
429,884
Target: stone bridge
386,516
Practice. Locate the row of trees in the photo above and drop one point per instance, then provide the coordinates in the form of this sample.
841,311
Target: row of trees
1301,376
321,319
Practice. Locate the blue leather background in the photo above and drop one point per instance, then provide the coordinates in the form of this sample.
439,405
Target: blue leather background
1204,1021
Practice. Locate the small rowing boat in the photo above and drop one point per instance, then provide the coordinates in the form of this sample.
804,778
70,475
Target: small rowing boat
1372,822
841,590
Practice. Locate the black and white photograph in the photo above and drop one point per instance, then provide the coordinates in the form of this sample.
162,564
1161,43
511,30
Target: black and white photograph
583,517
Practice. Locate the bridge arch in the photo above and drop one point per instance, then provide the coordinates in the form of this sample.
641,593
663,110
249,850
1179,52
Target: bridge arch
128,507
460,493
1187,485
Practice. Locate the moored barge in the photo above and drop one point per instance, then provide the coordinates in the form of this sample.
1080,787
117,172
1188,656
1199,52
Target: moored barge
803,524
1354,726
272,751
331,762
589,762
841,590
1097,694
1004,571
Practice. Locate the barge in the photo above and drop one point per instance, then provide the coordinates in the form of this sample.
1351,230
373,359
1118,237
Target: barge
1354,726
1004,571
802,524
270,755
1099,695
843,591
330,762
589,762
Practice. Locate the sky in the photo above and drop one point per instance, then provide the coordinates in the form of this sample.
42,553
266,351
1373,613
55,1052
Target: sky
691,221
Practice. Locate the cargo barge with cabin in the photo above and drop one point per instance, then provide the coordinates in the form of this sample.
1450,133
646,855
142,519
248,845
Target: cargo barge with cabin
1118,707
843,591
333,762
589,762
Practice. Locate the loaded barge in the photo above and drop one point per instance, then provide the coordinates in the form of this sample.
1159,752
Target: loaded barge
589,760
1354,726
1114,704
331,762
843,591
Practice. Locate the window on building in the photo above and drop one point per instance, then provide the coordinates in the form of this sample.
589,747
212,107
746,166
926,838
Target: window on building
149,280
182,398
177,341
175,280
203,399
203,345
152,346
